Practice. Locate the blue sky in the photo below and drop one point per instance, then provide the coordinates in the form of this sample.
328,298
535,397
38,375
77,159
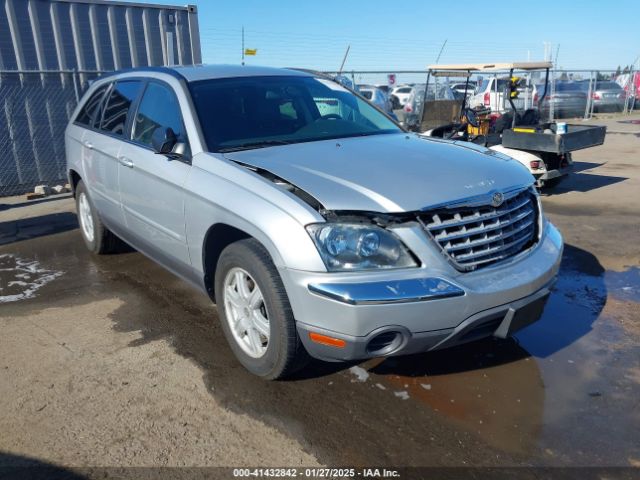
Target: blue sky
408,35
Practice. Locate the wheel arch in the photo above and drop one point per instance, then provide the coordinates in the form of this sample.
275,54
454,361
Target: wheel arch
219,236
74,179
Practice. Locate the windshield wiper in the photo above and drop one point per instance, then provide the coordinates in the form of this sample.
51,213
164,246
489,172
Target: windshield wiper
260,144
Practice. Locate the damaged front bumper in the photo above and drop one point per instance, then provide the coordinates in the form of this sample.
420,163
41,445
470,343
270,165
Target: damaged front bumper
398,313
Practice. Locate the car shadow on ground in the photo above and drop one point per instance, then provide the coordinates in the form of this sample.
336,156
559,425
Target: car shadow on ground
583,180
28,228
29,203
20,467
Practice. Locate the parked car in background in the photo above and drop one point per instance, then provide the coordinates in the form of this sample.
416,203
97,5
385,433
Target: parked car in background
376,96
361,240
606,95
460,87
568,100
401,93
489,93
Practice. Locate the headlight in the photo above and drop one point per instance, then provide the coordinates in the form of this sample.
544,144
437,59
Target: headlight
345,246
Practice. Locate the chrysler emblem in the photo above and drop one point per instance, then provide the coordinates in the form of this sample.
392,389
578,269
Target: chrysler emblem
496,199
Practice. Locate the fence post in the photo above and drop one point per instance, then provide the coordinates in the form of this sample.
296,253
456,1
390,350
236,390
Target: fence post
595,87
74,75
552,96
631,93
587,108
629,84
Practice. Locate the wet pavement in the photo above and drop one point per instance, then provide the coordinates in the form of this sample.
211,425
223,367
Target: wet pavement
565,391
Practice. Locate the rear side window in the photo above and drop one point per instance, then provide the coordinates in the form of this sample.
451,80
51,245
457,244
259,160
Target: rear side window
114,117
159,107
500,85
90,108
568,87
608,86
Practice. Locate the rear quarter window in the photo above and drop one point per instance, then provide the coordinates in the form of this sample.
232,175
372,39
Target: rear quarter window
116,110
87,114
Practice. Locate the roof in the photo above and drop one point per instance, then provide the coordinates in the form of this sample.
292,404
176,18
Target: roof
493,66
206,72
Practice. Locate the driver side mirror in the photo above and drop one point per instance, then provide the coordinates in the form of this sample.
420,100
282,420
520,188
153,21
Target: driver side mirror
163,140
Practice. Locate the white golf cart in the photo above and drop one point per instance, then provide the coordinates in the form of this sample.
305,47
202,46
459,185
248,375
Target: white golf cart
514,127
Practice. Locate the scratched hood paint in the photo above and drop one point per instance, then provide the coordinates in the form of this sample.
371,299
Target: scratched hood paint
388,173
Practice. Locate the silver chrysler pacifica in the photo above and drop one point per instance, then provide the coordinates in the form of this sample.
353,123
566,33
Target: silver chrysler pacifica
318,226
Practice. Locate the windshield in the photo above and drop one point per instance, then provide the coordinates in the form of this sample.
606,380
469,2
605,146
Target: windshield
252,112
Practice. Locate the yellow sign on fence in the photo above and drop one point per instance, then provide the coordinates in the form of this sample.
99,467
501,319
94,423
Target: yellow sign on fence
250,51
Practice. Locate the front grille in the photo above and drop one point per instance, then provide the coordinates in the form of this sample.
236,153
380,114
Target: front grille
478,236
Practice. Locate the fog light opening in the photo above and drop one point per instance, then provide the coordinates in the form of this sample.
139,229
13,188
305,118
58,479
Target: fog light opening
384,343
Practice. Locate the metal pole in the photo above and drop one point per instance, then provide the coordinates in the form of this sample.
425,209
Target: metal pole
587,110
75,85
171,60
344,60
243,45
631,93
595,87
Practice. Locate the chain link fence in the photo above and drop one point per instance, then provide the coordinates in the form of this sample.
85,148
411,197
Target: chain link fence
35,107
570,94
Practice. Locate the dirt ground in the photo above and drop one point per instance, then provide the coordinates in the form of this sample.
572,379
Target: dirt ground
112,361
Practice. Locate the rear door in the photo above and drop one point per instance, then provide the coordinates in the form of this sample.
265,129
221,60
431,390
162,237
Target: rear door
104,143
151,184
78,134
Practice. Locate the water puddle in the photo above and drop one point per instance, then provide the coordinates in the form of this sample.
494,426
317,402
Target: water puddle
21,279
529,394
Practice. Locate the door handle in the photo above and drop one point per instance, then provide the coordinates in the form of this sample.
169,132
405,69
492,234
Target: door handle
89,145
125,161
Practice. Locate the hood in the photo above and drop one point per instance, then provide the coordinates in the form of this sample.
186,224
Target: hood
388,173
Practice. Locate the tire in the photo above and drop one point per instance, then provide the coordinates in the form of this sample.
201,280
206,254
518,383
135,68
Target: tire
283,353
96,236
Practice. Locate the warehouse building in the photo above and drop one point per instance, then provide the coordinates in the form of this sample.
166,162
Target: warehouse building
49,52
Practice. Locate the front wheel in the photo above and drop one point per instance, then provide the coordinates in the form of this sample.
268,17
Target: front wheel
255,312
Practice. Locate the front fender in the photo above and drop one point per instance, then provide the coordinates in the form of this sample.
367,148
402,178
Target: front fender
219,191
